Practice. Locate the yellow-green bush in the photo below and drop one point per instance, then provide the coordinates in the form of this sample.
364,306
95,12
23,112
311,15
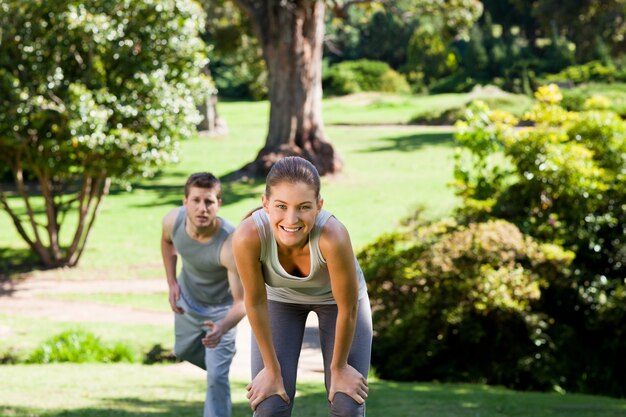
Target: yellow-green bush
562,180
455,302
363,75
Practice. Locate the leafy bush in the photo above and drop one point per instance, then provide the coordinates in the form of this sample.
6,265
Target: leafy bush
439,117
458,82
80,346
454,303
562,181
429,56
590,71
575,98
363,75
490,95
92,91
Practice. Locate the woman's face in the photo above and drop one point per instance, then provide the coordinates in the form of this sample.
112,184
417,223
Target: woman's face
292,209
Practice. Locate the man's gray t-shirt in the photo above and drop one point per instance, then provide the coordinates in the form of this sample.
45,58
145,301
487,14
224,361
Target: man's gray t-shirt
203,279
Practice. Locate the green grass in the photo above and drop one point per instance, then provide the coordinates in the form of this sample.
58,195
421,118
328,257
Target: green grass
168,391
26,333
381,109
388,172
144,301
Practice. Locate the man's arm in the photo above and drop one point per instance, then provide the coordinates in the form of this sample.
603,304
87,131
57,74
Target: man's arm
170,257
238,309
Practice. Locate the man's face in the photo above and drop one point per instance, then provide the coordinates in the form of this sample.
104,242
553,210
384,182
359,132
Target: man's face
202,205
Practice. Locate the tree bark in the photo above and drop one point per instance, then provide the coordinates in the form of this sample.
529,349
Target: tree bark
291,36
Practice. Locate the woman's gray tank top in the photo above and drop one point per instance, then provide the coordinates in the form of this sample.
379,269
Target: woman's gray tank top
284,287
202,279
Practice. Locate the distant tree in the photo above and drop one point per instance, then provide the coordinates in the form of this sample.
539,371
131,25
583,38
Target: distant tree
291,35
92,91
586,23
236,62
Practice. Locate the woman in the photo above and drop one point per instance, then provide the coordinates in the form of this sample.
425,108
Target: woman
294,258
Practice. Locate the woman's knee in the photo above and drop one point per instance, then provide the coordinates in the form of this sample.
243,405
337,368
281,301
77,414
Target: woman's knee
344,406
273,406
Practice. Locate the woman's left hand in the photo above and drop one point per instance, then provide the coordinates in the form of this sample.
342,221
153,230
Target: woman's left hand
349,381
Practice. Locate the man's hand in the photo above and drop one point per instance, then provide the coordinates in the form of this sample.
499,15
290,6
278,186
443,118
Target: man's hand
213,335
349,381
174,297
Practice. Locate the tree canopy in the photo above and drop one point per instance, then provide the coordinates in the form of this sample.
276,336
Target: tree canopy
92,91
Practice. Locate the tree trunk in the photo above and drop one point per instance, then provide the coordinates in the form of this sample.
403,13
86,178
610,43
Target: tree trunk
291,36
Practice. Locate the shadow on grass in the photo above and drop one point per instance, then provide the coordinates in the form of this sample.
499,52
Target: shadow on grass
413,142
125,407
386,399
14,264
172,195
314,404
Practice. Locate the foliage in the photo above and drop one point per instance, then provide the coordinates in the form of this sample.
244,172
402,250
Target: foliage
79,346
587,72
363,75
561,181
586,24
384,38
159,390
454,303
92,91
577,98
236,61
491,96
429,57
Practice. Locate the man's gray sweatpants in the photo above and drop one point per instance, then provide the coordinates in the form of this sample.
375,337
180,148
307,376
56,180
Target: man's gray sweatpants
190,329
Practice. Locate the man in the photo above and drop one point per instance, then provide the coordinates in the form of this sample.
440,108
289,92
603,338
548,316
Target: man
207,296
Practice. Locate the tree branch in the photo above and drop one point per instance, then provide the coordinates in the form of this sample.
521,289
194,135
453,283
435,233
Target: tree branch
51,214
16,220
73,260
83,211
18,174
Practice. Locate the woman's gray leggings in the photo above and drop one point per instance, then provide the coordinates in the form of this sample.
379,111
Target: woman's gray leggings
288,323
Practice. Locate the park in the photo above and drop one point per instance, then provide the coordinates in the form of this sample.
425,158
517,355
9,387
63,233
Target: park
486,209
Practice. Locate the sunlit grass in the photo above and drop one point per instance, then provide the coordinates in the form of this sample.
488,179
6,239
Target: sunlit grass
90,390
388,172
142,301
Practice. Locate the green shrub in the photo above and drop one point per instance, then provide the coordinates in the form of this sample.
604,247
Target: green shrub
363,75
458,82
615,93
439,117
429,55
80,346
492,96
590,71
562,181
454,303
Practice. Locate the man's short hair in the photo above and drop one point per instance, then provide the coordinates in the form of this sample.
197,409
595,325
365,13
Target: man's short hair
203,180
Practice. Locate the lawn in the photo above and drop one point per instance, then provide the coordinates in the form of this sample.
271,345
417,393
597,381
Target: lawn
169,391
389,171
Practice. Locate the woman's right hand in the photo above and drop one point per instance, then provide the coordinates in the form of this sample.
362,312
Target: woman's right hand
264,385
174,296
